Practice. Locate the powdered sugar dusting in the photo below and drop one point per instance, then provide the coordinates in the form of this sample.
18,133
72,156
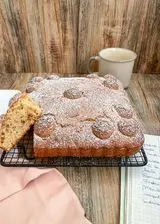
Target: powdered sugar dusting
128,128
124,111
103,128
76,117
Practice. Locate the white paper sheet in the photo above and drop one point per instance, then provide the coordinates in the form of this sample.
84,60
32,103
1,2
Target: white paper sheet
140,188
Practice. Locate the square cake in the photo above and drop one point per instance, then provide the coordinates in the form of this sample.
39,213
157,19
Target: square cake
84,116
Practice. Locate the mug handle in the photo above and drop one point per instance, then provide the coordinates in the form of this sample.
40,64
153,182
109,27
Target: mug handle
94,58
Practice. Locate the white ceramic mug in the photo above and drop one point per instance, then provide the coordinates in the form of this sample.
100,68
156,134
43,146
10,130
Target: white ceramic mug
116,61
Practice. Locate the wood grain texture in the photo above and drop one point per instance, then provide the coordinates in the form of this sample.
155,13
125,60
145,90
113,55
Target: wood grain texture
144,93
130,24
99,188
98,192
39,35
60,35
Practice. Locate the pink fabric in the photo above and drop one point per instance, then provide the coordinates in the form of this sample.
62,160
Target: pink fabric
37,196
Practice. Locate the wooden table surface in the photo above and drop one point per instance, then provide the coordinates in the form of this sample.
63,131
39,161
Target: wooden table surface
99,188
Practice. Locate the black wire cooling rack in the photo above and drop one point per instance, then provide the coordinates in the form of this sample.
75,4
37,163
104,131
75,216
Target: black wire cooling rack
22,156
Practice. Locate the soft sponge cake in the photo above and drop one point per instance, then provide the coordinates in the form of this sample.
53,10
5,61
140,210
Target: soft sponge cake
84,116
20,116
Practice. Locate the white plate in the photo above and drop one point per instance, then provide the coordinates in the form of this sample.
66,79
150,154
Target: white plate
5,96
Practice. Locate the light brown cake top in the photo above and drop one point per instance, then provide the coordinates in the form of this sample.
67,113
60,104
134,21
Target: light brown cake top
84,112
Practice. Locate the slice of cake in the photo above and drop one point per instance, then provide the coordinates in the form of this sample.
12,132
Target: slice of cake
21,115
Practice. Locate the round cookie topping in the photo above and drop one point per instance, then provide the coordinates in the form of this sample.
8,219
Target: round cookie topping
73,93
108,76
103,128
92,76
45,126
53,77
37,79
33,84
128,128
111,83
31,87
124,111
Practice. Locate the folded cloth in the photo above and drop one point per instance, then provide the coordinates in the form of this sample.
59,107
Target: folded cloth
37,196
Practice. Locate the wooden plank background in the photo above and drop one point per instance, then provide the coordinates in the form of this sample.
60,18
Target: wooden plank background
60,35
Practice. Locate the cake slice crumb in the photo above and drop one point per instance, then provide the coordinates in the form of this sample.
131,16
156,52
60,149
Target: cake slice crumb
21,115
